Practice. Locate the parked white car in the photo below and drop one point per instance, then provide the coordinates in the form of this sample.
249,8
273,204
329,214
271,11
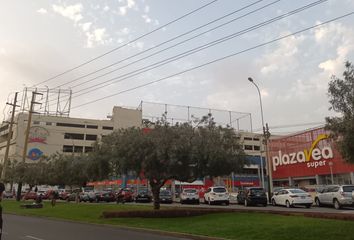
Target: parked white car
290,197
335,195
216,195
189,195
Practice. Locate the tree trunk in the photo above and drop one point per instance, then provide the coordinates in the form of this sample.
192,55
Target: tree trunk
155,188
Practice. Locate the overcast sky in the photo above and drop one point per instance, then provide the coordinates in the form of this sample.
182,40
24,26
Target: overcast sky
40,39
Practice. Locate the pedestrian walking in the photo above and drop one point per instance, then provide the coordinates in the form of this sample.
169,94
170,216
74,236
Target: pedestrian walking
120,197
2,189
54,196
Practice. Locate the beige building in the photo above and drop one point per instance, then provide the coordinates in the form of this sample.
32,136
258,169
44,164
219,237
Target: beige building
52,134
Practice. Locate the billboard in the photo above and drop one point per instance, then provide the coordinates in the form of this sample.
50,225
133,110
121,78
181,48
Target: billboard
306,154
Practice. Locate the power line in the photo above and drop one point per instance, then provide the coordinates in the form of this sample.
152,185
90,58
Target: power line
291,125
194,50
163,43
216,60
125,44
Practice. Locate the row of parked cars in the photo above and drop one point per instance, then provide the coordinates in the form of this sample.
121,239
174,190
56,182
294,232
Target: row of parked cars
337,196
123,195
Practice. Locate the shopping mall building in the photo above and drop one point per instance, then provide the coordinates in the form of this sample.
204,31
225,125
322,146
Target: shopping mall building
50,134
308,158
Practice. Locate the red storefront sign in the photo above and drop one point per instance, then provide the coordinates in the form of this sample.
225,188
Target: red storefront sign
306,154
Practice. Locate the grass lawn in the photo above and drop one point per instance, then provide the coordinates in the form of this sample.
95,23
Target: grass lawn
225,225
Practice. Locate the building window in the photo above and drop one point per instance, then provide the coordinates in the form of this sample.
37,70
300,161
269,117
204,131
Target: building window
107,128
76,136
92,126
48,123
70,125
248,147
256,148
247,138
68,148
36,122
78,149
88,149
91,137
255,139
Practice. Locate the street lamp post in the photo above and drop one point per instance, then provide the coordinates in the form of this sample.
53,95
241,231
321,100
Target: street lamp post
266,136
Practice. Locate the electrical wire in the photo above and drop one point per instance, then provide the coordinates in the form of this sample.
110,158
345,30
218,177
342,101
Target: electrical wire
194,50
163,43
125,44
216,60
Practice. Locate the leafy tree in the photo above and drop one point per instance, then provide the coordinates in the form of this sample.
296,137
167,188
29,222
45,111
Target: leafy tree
30,173
99,165
180,152
341,98
71,170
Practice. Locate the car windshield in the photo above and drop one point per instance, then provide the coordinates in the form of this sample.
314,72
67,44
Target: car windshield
190,191
219,190
257,190
348,188
296,191
165,193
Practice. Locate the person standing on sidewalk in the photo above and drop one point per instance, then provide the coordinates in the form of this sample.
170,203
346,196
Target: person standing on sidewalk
2,189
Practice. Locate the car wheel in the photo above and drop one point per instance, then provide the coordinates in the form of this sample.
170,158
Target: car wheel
182,202
318,203
287,203
273,202
336,204
246,203
308,206
265,204
198,202
227,203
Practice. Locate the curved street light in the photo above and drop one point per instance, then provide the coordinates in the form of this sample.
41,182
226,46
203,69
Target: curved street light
266,136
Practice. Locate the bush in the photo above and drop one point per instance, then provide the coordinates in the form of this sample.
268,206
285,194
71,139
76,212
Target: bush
163,213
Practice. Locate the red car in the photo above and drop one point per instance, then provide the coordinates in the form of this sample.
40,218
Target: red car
30,195
125,195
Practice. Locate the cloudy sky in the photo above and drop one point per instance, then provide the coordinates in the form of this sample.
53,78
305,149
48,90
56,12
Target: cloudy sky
41,39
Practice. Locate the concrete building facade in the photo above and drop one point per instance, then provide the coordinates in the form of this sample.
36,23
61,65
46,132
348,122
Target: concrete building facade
52,134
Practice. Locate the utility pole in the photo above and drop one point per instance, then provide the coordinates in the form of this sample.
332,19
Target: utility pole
24,154
9,136
266,135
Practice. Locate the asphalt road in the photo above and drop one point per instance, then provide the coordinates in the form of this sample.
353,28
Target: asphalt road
31,228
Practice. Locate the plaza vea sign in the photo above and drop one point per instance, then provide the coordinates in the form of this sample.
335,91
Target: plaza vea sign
319,156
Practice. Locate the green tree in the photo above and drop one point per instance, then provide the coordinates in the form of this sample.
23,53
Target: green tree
180,152
31,173
341,98
70,170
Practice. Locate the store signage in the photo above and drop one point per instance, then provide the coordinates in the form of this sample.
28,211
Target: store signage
34,154
319,156
38,135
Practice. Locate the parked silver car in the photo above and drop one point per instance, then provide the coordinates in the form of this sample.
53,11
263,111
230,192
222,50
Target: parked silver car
335,195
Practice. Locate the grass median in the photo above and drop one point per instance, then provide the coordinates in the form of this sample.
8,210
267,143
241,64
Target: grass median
224,225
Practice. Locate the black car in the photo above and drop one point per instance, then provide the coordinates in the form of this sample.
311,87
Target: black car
252,196
165,196
105,197
143,196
